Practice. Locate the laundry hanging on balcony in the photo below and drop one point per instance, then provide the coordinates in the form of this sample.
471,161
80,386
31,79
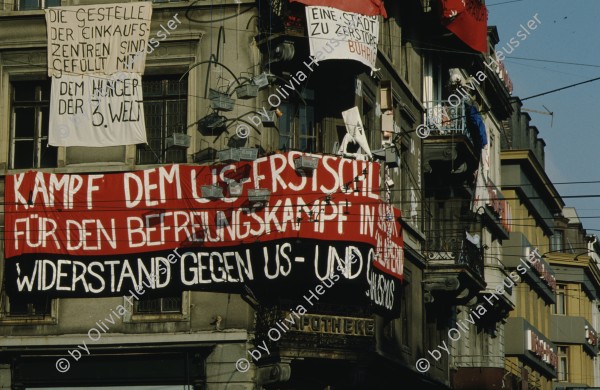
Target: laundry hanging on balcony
475,121
467,19
364,7
473,239
476,125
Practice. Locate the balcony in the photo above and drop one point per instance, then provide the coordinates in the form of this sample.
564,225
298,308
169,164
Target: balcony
443,119
497,212
531,346
455,266
574,330
449,146
281,16
458,250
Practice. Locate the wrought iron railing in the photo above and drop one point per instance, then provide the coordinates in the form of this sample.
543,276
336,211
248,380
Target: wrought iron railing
443,118
455,250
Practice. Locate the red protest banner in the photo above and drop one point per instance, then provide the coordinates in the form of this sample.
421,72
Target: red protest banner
468,20
101,234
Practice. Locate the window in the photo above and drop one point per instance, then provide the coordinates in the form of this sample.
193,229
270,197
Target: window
409,195
405,309
561,299
307,134
27,310
24,5
436,331
146,308
368,115
404,58
563,364
158,305
29,131
301,117
165,113
285,130
27,306
405,180
557,240
390,35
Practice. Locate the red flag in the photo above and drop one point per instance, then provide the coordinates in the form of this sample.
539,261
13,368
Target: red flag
364,7
467,19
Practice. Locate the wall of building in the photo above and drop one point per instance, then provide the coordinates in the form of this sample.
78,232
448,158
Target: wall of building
220,327
223,343
532,208
576,282
188,44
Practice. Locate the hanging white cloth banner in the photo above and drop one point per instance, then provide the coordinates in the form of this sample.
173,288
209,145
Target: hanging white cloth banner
98,39
334,34
97,111
96,55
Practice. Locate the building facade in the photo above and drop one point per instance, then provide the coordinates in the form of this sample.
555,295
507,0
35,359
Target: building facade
573,328
531,354
285,108
467,214
297,219
180,338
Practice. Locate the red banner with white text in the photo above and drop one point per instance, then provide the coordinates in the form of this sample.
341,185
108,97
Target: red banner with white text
81,235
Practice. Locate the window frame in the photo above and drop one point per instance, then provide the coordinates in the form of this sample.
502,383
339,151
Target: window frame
561,291
286,133
295,115
6,318
307,128
38,104
164,99
136,306
558,235
369,116
42,4
404,322
563,356
390,33
131,316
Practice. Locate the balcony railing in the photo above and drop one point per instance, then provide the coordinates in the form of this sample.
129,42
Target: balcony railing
282,16
443,119
454,250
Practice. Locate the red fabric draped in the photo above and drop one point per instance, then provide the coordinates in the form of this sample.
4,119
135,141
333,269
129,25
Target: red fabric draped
467,19
364,7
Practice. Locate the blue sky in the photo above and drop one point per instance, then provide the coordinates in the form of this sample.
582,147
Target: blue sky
567,33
